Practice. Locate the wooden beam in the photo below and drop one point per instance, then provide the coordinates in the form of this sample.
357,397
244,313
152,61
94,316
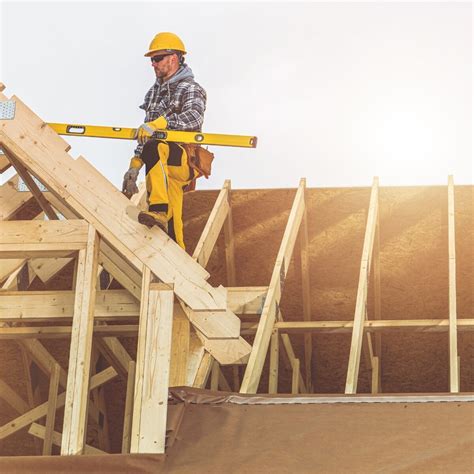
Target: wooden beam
127,417
344,327
41,410
117,355
75,413
213,227
361,302
204,370
153,365
34,189
51,415
377,303
292,358
12,398
215,376
39,431
11,200
43,359
110,305
453,332
295,377
82,188
262,338
274,360
179,348
305,283
25,239
229,239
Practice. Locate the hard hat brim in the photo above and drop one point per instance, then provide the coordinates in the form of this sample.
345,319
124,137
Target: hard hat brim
156,52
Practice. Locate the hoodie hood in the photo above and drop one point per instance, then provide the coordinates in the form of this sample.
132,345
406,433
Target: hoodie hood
184,72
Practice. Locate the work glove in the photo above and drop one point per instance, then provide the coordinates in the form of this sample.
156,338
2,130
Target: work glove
146,130
129,186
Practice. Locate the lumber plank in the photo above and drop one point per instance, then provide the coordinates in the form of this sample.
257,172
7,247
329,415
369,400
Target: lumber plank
51,415
153,365
453,333
77,395
195,357
306,296
84,192
204,371
127,417
12,398
211,231
25,239
181,333
361,301
267,319
11,200
229,239
39,431
34,189
274,359
109,305
41,410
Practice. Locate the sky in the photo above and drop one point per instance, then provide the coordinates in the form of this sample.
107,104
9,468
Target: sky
336,92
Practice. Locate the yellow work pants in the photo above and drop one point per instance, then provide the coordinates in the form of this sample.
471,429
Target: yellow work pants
167,173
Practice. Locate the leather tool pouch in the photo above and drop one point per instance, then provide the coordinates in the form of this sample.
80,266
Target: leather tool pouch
200,160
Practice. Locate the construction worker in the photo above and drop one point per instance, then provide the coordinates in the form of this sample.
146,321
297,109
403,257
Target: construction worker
175,102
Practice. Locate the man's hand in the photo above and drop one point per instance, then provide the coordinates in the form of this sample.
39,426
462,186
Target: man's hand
146,130
129,186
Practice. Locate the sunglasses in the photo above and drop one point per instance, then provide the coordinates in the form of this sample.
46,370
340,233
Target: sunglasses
157,59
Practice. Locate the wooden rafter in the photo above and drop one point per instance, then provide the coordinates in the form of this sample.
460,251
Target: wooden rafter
453,332
271,308
360,313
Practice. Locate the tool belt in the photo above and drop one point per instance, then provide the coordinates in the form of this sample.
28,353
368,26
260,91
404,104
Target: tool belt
200,161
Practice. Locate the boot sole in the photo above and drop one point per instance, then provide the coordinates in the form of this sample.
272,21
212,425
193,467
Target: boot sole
150,222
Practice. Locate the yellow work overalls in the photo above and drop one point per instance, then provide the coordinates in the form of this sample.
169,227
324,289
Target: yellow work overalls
167,174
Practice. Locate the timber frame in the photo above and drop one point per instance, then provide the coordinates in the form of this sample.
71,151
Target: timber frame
186,329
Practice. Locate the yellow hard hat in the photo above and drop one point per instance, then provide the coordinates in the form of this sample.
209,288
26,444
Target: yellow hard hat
166,42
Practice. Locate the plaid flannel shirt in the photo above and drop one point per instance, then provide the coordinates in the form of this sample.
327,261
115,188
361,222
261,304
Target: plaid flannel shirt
181,103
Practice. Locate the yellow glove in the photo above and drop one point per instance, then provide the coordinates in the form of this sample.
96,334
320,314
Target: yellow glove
145,131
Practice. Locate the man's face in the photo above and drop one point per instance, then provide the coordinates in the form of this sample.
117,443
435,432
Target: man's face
163,64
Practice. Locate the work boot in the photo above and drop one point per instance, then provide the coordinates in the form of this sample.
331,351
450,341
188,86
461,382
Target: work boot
150,218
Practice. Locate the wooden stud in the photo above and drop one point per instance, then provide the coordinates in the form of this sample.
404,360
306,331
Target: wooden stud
361,302
51,415
262,338
40,411
453,333
204,371
12,398
127,417
211,231
215,376
305,281
39,431
236,378
292,358
377,302
295,377
179,348
34,189
229,239
153,366
274,359
75,412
